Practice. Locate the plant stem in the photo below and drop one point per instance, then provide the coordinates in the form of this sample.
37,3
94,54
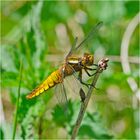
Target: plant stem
17,102
85,102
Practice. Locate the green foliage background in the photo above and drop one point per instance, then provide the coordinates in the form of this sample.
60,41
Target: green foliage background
30,32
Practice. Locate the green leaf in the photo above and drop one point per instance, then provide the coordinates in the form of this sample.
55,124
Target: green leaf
62,115
30,120
92,127
6,60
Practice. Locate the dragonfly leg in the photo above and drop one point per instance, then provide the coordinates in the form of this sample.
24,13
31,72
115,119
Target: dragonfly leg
89,68
87,85
80,79
90,75
95,65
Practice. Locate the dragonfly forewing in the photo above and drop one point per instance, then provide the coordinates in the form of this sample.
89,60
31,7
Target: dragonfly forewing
72,48
90,35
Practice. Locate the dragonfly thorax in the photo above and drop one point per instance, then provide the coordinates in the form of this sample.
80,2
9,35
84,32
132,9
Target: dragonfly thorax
87,59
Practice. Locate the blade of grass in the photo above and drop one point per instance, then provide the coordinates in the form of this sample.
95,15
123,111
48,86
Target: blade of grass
17,102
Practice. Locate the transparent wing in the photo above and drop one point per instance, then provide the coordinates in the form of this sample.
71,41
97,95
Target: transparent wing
60,93
73,86
68,89
72,48
91,34
61,96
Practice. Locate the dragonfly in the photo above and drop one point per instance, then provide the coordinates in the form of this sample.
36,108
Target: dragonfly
71,65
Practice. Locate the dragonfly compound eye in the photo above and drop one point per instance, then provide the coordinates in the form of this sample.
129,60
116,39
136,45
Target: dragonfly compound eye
90,60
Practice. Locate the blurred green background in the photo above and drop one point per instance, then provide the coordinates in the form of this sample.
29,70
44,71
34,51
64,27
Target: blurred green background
40,33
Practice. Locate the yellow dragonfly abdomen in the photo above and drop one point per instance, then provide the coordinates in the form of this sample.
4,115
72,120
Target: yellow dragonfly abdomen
53,79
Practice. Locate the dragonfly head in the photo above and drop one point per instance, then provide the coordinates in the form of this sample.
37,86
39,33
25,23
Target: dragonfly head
87,59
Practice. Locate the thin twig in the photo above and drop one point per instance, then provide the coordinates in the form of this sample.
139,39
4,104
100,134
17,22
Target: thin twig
101,66
17,103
